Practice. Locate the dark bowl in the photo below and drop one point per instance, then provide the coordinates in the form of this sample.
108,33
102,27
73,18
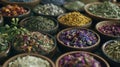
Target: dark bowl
103,62
87,6
31,4
8,19
51,31
49,54
112,61
103,35
68,26
70,9
26,54
41,14
65,48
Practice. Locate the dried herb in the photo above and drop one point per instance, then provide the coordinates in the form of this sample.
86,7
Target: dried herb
48,9
29,61
78,38
106,10
34,42
112,49
112,30
75,5
74,19
79,60
3,42
39,23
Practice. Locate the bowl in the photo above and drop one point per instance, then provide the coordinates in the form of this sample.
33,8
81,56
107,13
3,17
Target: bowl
6,64
75,39
24,22
1,20
49,10
72,23
32,46
105,34
99,18
109,48
8,19
69,56
74,6
31,4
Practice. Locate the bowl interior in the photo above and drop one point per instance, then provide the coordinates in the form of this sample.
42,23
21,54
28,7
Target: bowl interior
104,47
78,28
95,16
26,54
103,62
103,23
26,20
68,4
41,14
8,19
85,25
46,53
20,16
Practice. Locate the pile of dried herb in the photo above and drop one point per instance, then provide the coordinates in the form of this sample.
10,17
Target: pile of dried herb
81,59
34,42
106,10
27,61
49,9
39,23
76,5
78,38
112,49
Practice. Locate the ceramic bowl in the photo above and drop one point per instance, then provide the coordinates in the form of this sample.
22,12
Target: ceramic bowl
66,48
103,62
6,64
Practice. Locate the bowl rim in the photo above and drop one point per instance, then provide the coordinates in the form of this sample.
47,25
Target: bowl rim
110,23
27,13
88,24
104,45
21,23
34,11
50,36
30,54
94,55
95,3
78,48
6,1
